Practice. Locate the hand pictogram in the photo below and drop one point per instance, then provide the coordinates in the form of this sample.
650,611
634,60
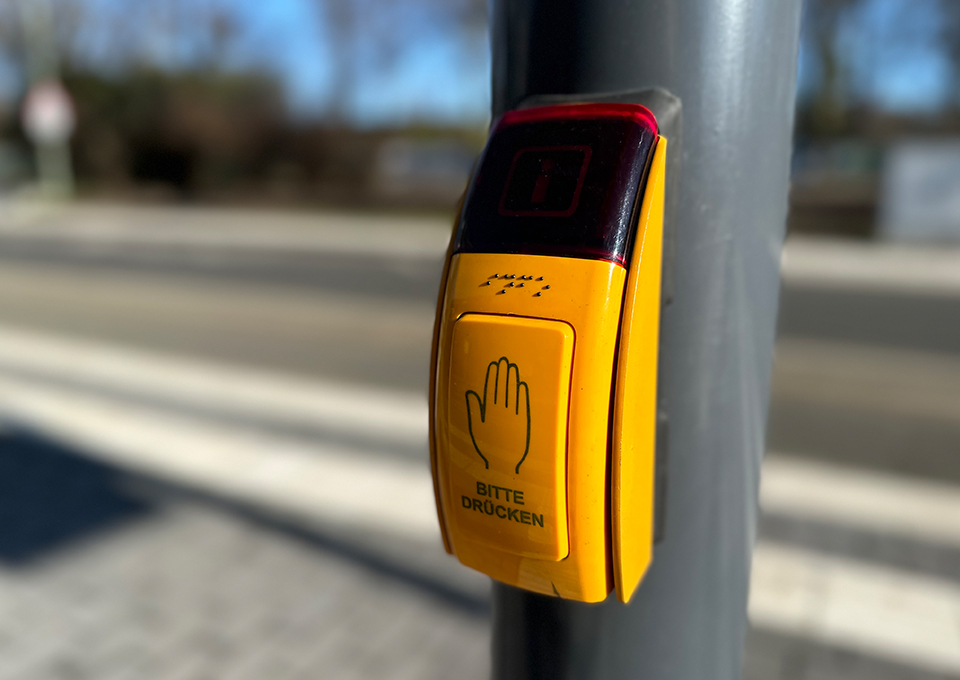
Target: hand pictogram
499,421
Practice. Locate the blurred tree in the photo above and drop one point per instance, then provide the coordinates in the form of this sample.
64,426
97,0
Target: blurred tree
825,110
861,57
950,38
11,40
367,38
191,131
164,102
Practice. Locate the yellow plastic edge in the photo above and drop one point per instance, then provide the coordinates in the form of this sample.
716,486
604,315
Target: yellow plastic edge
633,454
588,295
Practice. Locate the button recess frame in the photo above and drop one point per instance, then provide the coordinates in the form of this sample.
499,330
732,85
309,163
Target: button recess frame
509,387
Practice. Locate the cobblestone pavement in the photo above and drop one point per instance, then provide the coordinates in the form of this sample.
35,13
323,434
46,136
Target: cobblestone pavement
111,577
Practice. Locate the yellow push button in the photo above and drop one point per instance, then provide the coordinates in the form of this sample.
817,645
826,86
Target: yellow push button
509,389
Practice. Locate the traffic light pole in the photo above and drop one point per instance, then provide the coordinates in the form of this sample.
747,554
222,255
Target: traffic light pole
732,63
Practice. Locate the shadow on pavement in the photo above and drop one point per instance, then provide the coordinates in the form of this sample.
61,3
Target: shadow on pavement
51,496
363,556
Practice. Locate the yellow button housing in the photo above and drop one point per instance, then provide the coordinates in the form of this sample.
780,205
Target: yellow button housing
587,295
509,388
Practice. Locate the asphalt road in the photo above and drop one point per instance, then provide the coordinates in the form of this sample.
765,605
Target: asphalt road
868,377
367,319
857,375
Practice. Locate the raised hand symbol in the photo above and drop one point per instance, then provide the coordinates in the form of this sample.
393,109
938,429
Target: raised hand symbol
499,421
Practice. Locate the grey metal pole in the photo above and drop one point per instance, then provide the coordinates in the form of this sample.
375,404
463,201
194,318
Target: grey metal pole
733,64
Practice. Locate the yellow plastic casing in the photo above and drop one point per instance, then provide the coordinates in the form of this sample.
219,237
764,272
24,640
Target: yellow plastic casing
633,450
586,295
609,488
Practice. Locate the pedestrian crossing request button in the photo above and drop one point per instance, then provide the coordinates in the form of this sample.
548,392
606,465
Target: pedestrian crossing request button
509,389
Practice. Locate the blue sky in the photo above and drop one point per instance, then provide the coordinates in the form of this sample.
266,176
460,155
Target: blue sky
441,75
890,45
435,78
893,54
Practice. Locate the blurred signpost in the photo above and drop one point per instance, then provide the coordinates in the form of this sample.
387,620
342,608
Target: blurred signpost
48,114
48,118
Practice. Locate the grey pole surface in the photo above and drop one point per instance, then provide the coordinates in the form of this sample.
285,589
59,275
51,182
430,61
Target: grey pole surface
733,65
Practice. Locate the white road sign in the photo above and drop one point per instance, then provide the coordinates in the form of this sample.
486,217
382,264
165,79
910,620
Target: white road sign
48,113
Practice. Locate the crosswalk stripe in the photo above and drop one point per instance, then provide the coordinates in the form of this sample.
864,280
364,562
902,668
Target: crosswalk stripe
392,416
333,484
882,612
876,501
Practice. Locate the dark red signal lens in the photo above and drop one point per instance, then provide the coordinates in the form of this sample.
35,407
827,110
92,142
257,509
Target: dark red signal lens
545,181
559,180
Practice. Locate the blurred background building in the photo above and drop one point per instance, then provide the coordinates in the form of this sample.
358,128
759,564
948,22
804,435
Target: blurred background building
877,89
219,256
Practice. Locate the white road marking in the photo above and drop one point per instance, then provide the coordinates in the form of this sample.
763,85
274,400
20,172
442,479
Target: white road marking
871,266
391,416
890,381
885,613
880,502
337,485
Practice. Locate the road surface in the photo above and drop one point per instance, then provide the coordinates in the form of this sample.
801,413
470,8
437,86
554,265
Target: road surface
215,433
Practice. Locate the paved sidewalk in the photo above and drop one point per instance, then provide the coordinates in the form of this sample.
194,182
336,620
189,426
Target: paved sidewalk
119,578
115,577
